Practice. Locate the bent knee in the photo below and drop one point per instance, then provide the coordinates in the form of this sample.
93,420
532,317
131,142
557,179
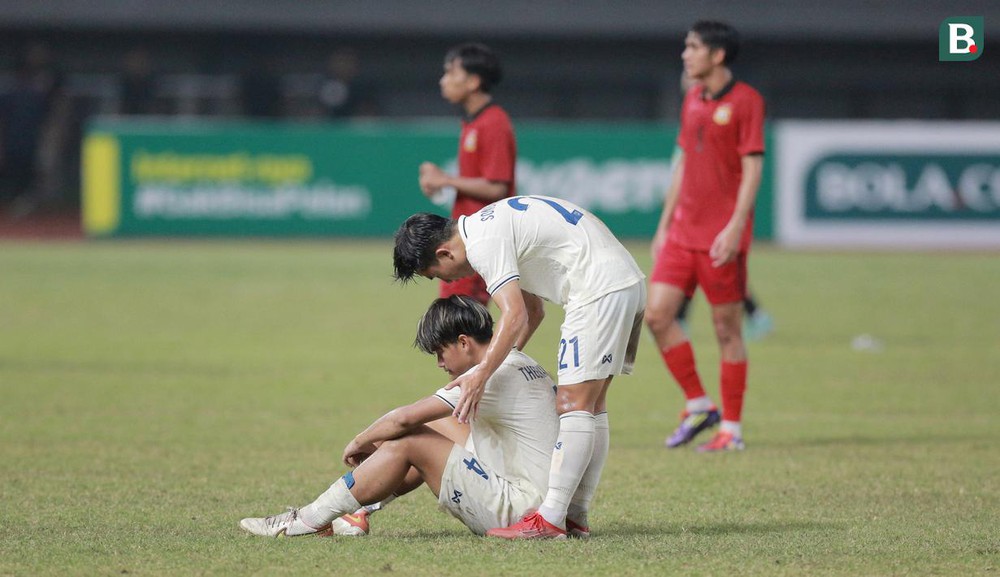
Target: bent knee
658,319
579,397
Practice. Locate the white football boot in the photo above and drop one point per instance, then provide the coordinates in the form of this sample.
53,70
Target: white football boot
287,524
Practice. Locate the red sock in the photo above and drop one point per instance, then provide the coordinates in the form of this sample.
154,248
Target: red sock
734,386
680,362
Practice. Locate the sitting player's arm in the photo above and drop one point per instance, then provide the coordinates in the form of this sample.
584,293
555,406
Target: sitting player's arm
392,425
536,312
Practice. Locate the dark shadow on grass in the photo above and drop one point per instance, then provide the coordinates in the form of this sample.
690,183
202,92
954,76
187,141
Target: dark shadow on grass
417,537
716,529
616,530
640,530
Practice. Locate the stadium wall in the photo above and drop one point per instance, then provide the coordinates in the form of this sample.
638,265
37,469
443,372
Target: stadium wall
899,184
143,178
894,184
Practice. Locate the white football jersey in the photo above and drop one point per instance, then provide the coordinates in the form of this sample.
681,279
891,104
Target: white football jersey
552,247
517,425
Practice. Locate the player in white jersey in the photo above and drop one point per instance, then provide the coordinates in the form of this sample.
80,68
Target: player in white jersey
512,439
529,248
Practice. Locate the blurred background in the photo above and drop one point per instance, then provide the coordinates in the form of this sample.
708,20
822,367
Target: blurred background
65,63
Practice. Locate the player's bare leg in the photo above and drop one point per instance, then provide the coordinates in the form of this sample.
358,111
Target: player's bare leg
662,304
385,471
357,524
452,429
699,412
727,320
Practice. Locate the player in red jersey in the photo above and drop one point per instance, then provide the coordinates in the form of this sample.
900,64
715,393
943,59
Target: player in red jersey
487,150
703,237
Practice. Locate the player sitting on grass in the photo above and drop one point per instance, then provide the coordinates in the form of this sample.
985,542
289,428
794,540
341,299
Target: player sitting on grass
513,436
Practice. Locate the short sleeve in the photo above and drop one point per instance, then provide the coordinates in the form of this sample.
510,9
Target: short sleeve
682,137
751,126
449,396
496,157
495,259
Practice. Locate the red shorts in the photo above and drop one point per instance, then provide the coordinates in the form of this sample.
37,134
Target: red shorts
473,286
687,269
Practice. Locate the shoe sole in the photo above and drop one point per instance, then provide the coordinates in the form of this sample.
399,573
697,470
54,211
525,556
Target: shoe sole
734,449
531,538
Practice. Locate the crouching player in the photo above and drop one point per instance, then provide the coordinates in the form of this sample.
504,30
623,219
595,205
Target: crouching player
494,486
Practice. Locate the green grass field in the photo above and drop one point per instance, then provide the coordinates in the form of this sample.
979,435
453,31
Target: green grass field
153,393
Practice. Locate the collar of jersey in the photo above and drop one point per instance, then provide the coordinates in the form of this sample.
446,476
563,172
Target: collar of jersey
475,115
718,95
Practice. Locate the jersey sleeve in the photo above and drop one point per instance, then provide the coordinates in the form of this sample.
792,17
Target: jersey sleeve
449,396
495,259
496,156
504,374
751,126
682,137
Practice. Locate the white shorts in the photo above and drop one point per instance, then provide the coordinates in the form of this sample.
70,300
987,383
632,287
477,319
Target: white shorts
478,497
600,339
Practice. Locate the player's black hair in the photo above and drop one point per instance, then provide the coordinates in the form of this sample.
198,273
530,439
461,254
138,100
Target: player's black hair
417,239
478,59
717,35
447,318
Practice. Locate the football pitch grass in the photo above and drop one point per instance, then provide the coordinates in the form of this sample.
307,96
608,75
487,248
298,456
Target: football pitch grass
154,393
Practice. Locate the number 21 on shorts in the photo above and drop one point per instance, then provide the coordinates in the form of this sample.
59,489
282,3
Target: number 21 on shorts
564,346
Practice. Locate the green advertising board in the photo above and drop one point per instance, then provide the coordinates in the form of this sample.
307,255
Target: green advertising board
357,179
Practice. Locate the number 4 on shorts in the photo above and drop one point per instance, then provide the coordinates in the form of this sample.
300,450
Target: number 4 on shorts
473,465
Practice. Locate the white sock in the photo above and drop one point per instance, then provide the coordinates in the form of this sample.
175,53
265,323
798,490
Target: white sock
699,405
570,458
580,503
333,503
733,427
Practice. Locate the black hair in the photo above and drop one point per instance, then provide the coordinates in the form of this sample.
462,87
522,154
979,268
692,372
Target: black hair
447,318
717,35
478,59
417,240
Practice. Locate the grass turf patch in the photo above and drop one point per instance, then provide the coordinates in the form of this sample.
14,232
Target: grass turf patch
153,393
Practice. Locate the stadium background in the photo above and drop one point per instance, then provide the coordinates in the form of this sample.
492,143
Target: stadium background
590,68
154,390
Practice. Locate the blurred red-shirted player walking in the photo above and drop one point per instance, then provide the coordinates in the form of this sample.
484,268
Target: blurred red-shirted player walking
487,150
704,233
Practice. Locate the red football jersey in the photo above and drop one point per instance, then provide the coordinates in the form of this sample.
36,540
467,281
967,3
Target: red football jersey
486,149
715,134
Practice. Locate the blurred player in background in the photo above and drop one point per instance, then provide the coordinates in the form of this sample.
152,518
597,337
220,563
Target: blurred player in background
704,234
757,322
500,481
528,248
487,151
